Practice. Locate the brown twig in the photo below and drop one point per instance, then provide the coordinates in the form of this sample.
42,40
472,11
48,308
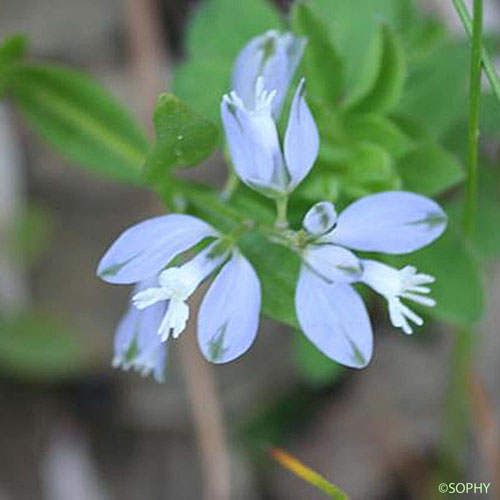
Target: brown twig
150,64
207,416
150,61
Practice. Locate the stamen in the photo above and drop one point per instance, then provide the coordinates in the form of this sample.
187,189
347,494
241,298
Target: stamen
263,98
419,299
418,289
149,297
415,318
395,285
175,320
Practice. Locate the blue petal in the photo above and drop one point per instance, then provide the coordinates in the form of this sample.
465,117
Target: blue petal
301,144
137,343
320,219
273,56
125,336
333,263
152,355
334,319
394,222
229,314
253,142
144,249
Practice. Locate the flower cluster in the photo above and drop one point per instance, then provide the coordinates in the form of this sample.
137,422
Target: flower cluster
144,254
169,257
329,310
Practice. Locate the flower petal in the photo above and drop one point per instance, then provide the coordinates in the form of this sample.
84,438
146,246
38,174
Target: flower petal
384,279
236,122
124,337
152,352
301,144
320,219
253,140
137,343
272,55
333,263
144,249
335,320
229,314
394,222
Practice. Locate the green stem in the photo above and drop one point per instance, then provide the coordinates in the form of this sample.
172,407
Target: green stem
457,411
232,183
474,101
489,67
456,417
281,222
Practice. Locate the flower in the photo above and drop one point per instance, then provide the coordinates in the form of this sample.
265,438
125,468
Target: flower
229,313
395,285
176,285
254,144
275,57
137,344
330,312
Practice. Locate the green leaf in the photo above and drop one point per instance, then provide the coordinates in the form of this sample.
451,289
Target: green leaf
414,129
371,169
430,98
183,138
354,171
423,38
12,49
323,65
207,204
379,130
429,169
490,116
215,35
36,346
321,186
458,288
381,86
278,268
314,366
80,119
370,163
353,27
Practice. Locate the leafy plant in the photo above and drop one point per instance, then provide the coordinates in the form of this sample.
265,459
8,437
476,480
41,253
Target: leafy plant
377,82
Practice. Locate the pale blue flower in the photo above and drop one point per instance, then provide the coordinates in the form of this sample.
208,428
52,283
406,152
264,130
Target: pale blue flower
273,56
330,312
229,313
137,344
254,143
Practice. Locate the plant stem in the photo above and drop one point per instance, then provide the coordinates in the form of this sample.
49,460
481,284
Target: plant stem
208,417
281,222
148,60
474,101
489,67
307,474
468,401
456,417
457,407
230,186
